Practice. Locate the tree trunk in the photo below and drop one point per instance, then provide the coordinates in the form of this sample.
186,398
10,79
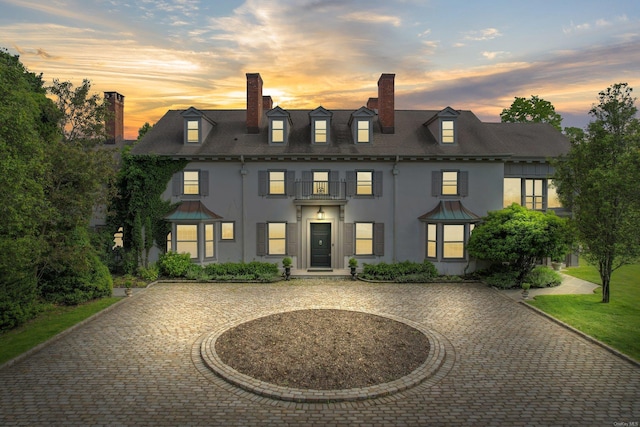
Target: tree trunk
605,276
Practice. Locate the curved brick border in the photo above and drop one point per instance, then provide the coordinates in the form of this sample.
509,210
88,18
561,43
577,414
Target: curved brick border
435,366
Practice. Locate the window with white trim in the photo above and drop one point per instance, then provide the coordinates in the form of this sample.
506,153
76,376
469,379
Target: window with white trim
364,129
364,183
227,230
447,131
277,131
277,180
449,183
193,131
191,182
320,131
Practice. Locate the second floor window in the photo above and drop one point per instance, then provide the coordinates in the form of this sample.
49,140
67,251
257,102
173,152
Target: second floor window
450,183
191,182
364,183
320,182
276,182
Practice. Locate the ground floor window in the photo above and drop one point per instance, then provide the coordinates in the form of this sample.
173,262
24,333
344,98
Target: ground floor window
187,239
533,193
209,242
227,231
364,238
447,241
277,238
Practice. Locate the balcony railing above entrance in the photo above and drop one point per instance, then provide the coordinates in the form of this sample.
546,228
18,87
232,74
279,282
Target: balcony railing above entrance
321,190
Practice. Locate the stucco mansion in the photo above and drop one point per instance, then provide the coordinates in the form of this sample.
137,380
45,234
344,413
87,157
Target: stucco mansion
322,186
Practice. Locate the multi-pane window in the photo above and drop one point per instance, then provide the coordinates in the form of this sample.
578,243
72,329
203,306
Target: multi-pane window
321,182
432,241
553,201
364,238
277,131
276,238
364,183
449,183
277,182
453,241
447,131
209,247
191,182
512,191
187,239
320,131
363,131
227,231
193,133
533,196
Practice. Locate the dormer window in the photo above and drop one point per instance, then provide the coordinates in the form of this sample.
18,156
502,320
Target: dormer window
361,123
447,120
447,132
277,131
363,130
279,126
320,125
319,131
193,131
196,126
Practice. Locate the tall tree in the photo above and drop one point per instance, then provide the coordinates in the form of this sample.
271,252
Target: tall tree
27,126
598,180
534,109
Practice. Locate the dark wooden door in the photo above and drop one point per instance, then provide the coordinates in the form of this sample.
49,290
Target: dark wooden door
320,245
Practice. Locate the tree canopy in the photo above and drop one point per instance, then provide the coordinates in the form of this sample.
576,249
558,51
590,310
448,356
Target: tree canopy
598,180
533,109
520,237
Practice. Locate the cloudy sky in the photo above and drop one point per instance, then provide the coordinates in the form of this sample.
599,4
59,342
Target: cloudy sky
475,55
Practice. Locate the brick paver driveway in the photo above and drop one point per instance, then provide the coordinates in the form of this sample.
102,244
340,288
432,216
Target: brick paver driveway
138,365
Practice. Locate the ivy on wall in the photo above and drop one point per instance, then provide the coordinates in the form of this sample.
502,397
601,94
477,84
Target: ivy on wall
138,206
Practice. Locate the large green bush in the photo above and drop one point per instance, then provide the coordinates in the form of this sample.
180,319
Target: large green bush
405,271
172,264
70,286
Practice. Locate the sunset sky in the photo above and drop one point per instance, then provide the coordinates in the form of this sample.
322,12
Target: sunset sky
471,55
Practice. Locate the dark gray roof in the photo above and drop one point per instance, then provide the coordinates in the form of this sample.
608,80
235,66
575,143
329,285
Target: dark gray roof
229,138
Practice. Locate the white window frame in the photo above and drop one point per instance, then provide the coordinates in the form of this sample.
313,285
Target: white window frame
191,186
193,131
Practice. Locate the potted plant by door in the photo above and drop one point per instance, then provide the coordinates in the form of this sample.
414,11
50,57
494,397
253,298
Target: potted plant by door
286,263
353,263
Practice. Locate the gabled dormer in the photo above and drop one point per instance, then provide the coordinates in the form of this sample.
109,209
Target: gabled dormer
196,126
447,126
279,126
361,124
320,119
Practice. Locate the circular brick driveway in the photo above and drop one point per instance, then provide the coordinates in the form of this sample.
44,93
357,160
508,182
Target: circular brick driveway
139,364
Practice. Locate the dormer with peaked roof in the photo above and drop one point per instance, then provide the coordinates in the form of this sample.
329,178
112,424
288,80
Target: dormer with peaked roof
279,126
196,126
320,120
361,124
443,126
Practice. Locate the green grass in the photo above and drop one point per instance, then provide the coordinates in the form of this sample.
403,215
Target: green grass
53,320
616,323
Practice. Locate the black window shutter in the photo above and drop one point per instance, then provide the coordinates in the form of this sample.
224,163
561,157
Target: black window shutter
204,183
262,183
177,184
291,183
348,238
377,183
351,183
378,239
463,183
436,183
292,238
261,239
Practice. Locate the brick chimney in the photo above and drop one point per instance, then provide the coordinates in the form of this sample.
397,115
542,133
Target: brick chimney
386,103
267,103
254,102
372,104
114,124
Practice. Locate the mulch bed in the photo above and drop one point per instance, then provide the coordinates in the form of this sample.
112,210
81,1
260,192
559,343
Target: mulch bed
323,349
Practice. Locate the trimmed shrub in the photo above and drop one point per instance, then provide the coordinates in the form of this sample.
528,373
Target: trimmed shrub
405,271
172,264
260,271
543,277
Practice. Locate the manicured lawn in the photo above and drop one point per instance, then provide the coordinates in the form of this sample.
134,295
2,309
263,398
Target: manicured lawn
53,320
616,323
